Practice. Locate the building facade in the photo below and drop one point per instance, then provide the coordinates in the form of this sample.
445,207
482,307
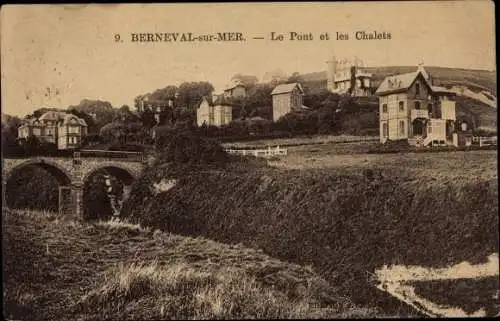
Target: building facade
287,98
214,112
348,76
64,130
235,90
410,107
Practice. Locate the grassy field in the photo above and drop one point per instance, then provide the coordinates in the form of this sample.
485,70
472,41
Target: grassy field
297,141
473,165
58,269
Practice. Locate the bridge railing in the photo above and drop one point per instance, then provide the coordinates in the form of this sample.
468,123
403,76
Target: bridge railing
108,154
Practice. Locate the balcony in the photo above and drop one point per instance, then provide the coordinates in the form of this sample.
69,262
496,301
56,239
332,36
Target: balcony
419,113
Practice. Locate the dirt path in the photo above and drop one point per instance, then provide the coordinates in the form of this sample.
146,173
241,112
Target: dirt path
394,281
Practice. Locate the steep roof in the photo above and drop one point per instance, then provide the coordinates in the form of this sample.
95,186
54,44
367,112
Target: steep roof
220,100
401,82
286,88
68,117
53,115
234,84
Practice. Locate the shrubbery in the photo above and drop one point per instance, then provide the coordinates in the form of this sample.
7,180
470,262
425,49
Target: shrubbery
186,148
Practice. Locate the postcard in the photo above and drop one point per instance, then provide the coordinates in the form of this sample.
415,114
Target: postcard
285,160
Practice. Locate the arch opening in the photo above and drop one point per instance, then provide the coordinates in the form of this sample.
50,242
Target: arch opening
37,185
105,190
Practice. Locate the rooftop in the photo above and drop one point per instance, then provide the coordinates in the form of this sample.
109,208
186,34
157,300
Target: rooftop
286,88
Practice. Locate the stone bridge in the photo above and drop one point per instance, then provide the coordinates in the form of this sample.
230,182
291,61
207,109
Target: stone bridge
72,173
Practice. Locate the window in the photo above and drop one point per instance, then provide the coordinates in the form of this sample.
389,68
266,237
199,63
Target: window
417,105
384,108
401,106
402,127
429,108
429,127
417,89
385,130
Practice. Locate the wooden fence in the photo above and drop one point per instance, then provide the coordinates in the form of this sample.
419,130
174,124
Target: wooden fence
484,141
269,152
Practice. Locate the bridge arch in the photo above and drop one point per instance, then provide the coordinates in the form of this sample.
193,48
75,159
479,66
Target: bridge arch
56,170
126,175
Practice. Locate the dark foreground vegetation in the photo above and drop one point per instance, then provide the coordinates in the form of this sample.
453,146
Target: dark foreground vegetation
344,223
57,269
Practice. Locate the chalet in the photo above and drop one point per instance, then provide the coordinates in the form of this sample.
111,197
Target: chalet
348,76
64,130
214,111
235,90
410,107
287,98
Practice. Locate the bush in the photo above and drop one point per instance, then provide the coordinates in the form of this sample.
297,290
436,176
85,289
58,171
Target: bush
184,148
485,132
392,146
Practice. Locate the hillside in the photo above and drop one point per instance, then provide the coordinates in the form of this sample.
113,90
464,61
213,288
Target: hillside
58,269
477,79
476,89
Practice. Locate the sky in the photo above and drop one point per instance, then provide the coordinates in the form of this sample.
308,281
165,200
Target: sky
57,55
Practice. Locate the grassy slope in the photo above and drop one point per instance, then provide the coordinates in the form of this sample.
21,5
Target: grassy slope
56,269
339,220
476,79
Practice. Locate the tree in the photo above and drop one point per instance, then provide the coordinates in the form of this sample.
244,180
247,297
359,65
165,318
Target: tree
96,198
164,94
295,77
125,115
89,120
259,102
191,93
327,121
103,111
148,118
114,132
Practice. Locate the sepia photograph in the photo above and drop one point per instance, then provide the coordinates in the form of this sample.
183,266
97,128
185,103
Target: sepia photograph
270,160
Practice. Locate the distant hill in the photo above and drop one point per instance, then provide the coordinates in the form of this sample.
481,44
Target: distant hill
474,79
476,89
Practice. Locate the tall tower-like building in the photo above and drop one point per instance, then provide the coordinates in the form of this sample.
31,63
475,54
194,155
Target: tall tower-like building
348,76
331,70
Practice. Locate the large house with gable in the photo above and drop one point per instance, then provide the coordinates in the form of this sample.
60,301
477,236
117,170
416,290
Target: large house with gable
60,128
411,108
